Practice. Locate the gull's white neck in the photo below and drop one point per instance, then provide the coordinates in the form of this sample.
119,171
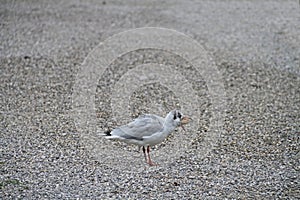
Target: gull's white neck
168,128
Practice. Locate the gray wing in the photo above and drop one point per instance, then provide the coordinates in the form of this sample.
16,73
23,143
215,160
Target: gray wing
145,125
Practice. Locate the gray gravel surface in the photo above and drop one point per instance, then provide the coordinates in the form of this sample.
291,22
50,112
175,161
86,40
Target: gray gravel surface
256,47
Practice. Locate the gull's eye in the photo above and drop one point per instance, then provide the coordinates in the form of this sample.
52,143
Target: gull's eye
179,115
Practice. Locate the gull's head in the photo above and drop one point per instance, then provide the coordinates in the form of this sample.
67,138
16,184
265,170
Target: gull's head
176,118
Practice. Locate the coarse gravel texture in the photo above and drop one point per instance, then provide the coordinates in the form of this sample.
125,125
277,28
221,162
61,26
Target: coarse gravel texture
256,47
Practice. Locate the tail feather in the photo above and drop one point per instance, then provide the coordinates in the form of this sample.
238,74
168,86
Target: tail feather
107,133
113,137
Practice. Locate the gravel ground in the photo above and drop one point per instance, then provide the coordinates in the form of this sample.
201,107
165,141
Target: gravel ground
256,48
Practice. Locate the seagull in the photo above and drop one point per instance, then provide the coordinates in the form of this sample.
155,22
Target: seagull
148,130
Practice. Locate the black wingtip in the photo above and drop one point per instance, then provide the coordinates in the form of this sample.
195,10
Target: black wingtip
108,132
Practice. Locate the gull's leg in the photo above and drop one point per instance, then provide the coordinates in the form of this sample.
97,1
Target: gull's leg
149,159
144,150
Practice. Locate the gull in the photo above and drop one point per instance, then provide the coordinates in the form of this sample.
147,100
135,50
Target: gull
148,130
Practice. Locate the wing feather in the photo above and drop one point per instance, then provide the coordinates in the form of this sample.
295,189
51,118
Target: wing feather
145,125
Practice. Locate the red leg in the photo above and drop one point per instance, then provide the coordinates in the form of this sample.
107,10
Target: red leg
144,150
149,159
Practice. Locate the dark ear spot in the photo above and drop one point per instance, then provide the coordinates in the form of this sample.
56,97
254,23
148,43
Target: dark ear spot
174,116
